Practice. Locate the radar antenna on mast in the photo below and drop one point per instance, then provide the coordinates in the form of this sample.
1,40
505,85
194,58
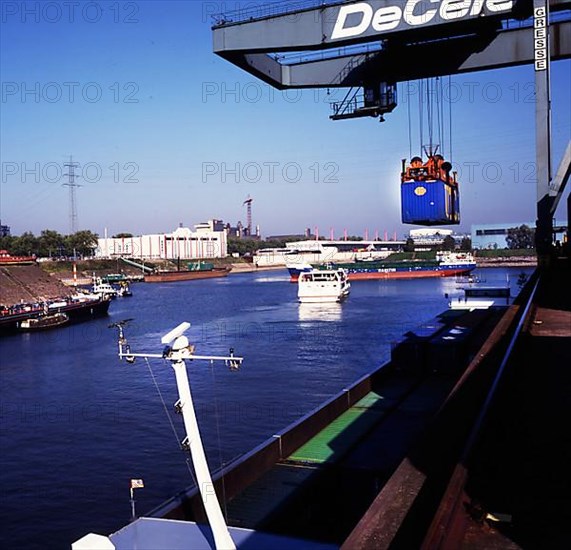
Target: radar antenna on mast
177,350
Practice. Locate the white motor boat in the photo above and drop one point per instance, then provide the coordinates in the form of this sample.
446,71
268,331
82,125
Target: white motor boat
323,285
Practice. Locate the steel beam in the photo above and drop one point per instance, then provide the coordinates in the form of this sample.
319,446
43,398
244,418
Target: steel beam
542,45
404,62
326,26
557,187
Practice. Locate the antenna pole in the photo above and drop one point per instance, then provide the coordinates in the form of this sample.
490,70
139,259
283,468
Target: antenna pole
176,354
222,537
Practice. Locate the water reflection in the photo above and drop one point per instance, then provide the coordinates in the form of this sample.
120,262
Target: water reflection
320,312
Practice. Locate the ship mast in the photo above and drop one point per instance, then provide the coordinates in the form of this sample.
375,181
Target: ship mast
177,351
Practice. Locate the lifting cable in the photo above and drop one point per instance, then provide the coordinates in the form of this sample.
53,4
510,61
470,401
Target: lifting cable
408,100
450,117
421,111
436,117
429,114
440,113
433,116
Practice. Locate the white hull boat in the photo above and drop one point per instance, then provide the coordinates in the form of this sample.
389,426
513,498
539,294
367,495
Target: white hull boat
323,286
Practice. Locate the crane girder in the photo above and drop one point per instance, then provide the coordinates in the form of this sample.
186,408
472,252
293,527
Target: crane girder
434,47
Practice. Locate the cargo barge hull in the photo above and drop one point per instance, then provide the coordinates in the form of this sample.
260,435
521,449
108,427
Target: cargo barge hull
76,312
413,274
174,276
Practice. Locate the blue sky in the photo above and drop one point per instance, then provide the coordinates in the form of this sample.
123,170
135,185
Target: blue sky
167,132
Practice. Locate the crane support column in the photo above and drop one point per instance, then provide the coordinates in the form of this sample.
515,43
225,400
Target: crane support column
544,224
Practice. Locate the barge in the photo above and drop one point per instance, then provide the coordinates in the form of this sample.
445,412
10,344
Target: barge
76,308
446,264
195,270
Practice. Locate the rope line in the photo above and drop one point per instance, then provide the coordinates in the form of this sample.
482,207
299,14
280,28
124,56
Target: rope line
173,428
421,111
450,115
217,416
408,100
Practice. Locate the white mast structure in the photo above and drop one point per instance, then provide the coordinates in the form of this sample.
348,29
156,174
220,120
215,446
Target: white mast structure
177,350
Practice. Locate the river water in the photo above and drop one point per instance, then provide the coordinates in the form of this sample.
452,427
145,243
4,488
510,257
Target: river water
76,424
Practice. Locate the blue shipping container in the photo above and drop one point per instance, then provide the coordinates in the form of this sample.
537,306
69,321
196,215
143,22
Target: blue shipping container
432,202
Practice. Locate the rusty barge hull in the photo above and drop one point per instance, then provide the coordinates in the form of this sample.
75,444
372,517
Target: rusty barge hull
175,276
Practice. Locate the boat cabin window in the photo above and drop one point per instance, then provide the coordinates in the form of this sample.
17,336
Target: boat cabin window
317,277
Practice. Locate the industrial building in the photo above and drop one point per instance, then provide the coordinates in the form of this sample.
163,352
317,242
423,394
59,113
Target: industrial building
208,240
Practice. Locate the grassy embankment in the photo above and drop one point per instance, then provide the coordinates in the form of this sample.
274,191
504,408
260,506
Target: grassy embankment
86,268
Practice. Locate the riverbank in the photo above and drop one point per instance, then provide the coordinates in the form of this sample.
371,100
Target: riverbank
28,283
52,279
48,280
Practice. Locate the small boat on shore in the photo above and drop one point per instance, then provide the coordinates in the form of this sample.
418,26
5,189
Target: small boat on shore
44,322
195,270
323,285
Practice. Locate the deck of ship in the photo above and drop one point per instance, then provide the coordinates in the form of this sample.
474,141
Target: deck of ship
503,481
457,443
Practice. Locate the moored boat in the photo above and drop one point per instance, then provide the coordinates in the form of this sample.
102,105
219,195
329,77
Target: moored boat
446,264
44,322
323,285
7,259
103,289
195,270
77,308
124,290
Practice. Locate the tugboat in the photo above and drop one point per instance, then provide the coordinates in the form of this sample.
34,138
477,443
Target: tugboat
124,290
103,289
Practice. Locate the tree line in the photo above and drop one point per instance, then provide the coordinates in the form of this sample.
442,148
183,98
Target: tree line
50,244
